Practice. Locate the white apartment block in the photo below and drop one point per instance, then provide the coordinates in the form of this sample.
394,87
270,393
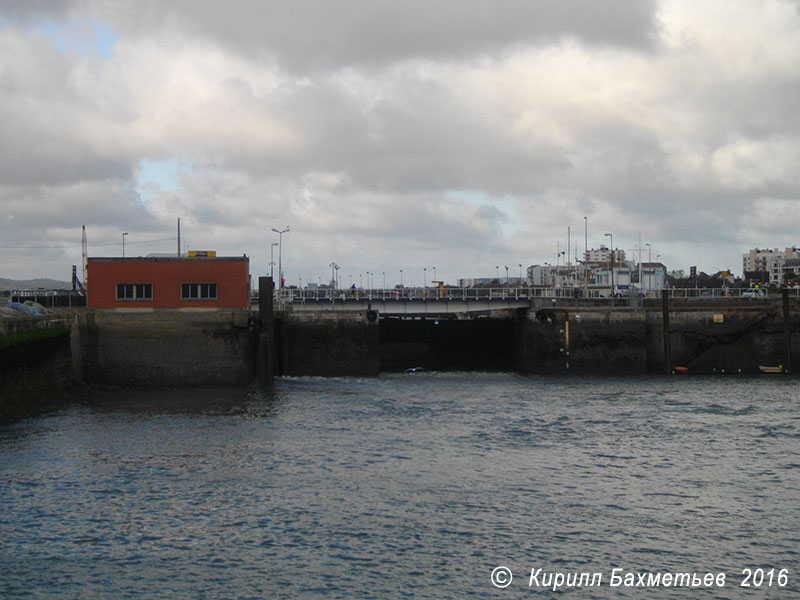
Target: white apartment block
771,261
602,256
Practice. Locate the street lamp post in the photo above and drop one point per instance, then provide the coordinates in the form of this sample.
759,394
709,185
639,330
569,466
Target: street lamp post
497,274
280,233
424,277
384,279
612,266
272,260
334,267
401,277
520,274
650,264
508,281
123,244
585,255
434,273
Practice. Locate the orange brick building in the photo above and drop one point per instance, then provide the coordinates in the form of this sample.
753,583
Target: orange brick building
168,282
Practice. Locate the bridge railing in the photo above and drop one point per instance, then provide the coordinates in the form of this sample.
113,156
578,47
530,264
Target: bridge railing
411,294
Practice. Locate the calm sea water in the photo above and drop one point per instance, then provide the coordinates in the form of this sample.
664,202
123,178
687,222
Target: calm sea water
407,486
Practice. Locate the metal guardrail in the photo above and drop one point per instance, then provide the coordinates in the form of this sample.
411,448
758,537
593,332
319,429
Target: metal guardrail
293,295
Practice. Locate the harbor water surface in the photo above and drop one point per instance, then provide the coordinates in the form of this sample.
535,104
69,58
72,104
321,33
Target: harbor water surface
403,486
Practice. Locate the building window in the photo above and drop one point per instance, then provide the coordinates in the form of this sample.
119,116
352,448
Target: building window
134,291
198,291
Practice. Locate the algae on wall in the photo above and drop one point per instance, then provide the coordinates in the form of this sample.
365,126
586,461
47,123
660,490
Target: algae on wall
35,368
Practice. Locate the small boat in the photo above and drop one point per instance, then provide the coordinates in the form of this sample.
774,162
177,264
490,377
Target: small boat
415,370
778,369
680,370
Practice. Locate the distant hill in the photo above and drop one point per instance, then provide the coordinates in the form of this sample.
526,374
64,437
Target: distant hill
15,284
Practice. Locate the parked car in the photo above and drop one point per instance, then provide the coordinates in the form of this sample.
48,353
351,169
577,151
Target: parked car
753,293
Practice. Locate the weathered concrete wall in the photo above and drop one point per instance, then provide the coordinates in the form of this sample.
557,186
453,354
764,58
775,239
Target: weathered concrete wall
328,344
583,341
36,365
161,347
734,338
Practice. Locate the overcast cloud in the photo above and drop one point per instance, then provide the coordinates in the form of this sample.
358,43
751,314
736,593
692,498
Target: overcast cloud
389,135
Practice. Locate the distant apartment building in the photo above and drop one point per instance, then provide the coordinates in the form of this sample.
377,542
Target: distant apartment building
791,271
772,262
602,256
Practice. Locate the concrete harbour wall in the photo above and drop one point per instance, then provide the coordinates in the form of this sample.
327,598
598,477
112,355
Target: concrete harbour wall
169,347
41,356
703,339
328,344
36,363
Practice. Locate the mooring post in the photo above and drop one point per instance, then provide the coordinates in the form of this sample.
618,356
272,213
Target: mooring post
665,332
265,368
787,331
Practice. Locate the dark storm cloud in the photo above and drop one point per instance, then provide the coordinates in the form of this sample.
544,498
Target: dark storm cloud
310,35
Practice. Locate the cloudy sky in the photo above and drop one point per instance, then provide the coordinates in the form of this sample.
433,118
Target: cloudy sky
456,134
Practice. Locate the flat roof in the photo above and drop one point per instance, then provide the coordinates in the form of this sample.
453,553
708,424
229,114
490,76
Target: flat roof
164,258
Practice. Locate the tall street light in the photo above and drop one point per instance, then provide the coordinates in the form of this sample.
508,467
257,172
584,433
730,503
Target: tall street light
612,265
334,275
272,260
434,273
585,255
424,277
401,277
508,281
649,263
280,233
123,244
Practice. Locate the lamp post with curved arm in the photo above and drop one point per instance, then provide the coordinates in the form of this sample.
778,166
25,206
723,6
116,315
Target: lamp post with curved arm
272,260
280,233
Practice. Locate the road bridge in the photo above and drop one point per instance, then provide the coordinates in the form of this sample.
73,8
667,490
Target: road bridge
467,302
